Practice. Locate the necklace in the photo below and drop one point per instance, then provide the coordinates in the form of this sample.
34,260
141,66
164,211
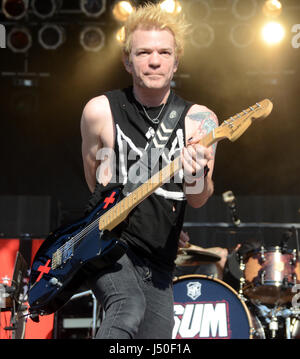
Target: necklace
156,119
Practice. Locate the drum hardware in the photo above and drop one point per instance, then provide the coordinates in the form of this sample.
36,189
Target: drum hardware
285,282
262,277
229,199
242,265
242,279
285,238
288,328
262,253
95,306
294,258
295,328
279,322
273,326
287,315
14,296
242,282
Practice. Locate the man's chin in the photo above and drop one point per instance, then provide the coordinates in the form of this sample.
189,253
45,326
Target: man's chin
154,85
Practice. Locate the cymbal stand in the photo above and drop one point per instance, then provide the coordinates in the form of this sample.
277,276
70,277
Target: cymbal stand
242,279
288,328
271,317
273,325
287,314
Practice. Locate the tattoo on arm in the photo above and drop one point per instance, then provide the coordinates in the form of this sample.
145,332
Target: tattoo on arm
207,122
200,116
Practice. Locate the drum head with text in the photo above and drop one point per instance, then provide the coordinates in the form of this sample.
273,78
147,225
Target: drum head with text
207,308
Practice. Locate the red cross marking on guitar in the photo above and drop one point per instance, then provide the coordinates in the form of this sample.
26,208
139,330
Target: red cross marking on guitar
109,199
43,269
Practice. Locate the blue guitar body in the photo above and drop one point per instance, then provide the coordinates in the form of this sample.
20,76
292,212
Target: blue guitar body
69,255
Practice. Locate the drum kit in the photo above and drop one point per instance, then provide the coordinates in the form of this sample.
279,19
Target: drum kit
266,306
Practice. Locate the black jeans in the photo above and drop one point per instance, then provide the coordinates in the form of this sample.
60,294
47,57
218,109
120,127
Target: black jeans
137,300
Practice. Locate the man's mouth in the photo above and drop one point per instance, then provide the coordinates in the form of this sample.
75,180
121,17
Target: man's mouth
154,75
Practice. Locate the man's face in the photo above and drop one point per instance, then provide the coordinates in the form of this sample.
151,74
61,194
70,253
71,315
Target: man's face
152,61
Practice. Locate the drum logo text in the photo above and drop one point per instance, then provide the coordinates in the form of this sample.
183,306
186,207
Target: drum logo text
201,320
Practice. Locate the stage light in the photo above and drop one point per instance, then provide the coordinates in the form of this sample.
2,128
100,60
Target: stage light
92,38
93,8
121,10
14,9
244,9
51,36
19,40
273,33
43,8
120,35
198,10
202,36
171,6
242,35
272,8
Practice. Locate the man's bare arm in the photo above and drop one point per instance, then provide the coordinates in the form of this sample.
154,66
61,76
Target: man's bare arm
199,122
93,128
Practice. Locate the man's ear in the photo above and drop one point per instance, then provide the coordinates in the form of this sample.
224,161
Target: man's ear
176,64
127,63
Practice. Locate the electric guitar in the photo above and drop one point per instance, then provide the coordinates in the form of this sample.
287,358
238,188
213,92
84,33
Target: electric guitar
72,253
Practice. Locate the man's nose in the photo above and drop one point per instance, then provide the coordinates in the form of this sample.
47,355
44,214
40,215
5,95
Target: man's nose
154,60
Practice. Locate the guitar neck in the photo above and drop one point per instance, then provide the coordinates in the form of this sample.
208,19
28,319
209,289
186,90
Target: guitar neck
120,211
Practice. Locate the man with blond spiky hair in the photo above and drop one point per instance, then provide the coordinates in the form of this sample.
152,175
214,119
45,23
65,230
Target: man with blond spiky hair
136,292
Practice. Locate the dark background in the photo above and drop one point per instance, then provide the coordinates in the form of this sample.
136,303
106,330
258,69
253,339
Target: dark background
40,126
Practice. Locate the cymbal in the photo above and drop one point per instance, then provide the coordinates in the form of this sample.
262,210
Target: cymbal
193,255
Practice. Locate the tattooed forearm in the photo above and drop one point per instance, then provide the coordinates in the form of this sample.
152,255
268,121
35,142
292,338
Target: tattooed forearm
207,123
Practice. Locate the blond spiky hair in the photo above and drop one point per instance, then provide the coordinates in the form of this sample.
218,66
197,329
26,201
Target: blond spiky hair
151,16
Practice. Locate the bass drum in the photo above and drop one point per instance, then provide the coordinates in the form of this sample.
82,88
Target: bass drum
208,308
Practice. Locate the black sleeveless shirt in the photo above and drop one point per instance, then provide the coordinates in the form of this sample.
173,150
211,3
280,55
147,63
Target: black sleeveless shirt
153,227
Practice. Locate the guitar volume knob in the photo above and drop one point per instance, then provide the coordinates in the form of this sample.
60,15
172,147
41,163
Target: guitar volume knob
55,281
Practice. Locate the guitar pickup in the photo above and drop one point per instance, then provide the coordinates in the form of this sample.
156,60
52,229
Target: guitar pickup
61,255
67,253
56,259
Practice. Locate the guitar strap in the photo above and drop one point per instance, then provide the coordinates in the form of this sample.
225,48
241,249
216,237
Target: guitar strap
139,172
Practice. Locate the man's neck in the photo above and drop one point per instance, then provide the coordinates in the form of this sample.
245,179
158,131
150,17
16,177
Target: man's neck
151,97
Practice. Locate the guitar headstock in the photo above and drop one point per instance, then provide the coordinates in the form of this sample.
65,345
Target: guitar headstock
235,126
